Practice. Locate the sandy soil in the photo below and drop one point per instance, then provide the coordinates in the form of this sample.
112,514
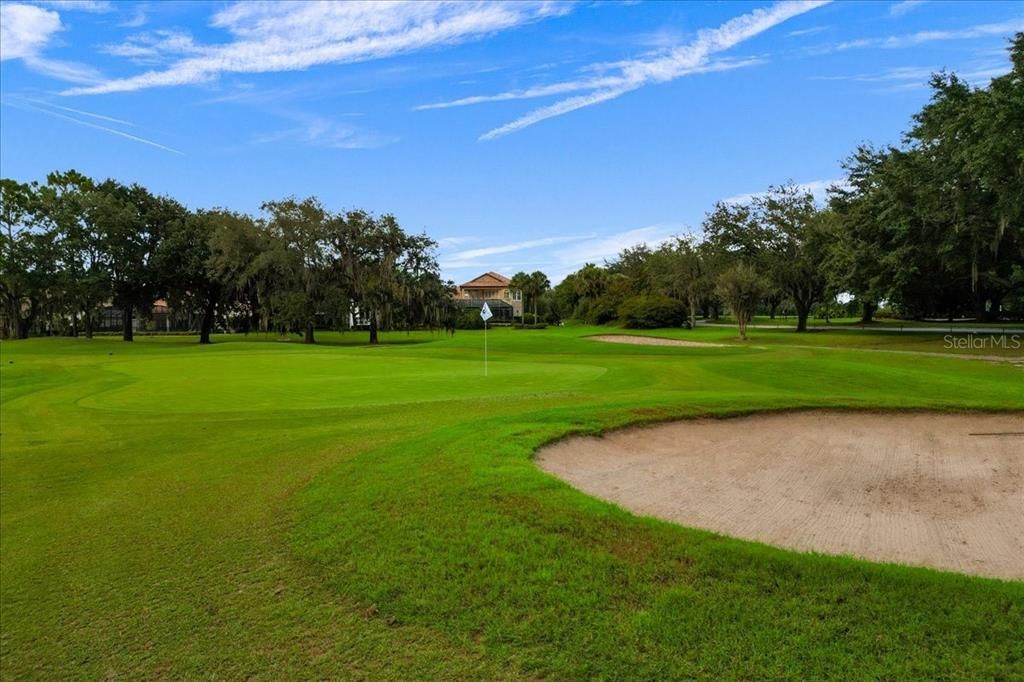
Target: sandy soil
945,491
652,341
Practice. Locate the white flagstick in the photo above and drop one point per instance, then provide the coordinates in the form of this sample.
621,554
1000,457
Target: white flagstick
485,313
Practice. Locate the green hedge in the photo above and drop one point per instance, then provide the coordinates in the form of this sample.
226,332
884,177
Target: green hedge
651,312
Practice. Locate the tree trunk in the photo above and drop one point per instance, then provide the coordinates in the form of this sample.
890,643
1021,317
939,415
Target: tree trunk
88,324
23,326
309,333
773,305
802,312
206,325
373,329
995,311
126,321
741,320
868,314
693,312
979,306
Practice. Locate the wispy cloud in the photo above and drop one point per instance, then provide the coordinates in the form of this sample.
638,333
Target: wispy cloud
93,6
95,126
898,9
808,31
154,47
322,131
558,256
26,31
565,87
137,19
445,242
275,37
607,247
817,188
1004,28
622,77
472,257
905,78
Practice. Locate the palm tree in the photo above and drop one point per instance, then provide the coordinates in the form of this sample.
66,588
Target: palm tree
520,282
538,283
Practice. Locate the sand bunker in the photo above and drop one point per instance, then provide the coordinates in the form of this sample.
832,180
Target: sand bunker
653,341
945,491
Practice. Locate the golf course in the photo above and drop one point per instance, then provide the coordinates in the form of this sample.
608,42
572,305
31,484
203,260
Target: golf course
257,508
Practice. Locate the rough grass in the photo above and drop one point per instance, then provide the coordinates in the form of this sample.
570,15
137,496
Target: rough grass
259,509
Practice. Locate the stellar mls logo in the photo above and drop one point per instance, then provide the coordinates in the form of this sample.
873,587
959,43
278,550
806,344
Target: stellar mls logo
983,342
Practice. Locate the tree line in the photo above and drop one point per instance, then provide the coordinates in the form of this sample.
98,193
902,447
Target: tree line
72,246
932,227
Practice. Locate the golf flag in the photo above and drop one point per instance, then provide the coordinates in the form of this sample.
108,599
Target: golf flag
486,314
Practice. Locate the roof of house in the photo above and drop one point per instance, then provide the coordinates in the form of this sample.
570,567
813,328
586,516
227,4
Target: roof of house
488,279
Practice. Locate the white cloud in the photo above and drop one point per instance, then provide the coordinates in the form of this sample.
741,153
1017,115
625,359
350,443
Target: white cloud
1005,28
817,188
25,30
904,78
608,247
72,72
898,9
92,6
626,76
272,37
574,252
445,242
594,83
153,47
137,19
320,131
472,257
808,31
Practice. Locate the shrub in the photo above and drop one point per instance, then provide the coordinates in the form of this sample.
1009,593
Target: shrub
529,319
651,312
469,318
599,311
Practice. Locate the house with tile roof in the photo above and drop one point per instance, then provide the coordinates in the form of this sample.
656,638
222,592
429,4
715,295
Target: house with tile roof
492,288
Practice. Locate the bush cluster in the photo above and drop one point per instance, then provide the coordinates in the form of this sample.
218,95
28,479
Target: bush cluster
651,312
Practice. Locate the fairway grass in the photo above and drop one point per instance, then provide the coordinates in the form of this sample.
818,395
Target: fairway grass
263,509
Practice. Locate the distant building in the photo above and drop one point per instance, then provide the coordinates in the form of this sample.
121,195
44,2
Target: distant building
493,289
160,319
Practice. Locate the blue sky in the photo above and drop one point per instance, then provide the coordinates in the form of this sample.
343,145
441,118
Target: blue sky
523,136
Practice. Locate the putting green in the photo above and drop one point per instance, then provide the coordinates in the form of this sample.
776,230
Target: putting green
310,379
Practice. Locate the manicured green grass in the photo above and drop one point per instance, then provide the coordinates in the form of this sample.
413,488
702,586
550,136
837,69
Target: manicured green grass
259,509
881,323
1009,345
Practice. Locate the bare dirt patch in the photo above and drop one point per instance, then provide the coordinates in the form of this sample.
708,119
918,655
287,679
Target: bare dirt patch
653,341
945,491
